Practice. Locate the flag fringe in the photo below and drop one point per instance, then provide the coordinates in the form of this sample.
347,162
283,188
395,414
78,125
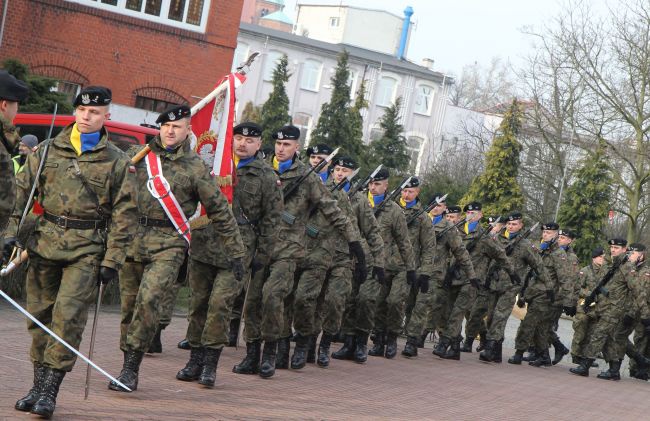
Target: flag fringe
224,180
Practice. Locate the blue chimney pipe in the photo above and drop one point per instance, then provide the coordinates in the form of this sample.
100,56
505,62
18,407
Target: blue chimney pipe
408,12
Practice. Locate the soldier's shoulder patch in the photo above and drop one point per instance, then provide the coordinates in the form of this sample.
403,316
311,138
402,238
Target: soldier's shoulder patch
278,182
132,169
581,273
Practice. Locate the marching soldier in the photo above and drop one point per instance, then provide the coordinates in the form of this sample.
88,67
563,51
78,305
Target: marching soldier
394,293
163,235
453,214
87,193
360,319
257,204
12,91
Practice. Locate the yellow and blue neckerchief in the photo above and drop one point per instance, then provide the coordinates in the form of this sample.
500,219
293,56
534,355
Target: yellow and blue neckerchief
407,205
543,245
470,227
281,167
243,162
346,186
324,176
510,235
375,200
82,142
436,219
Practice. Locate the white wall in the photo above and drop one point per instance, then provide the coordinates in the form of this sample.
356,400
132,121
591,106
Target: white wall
132,115
373,30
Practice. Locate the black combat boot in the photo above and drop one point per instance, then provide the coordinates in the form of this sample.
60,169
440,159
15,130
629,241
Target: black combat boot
233,332
498,348
46,402
613,373
560,351
324,350
543,360
299,357
378,345
482,341
282,357
184,344
488,352
531,356
267,369
583,368
641,360
467,345
129,374
391,345
411,348
422,339
25,403
453,353
641,374
156,345
441,347
347,350
311,349
361,350
251,362
192,369
517,358
210,361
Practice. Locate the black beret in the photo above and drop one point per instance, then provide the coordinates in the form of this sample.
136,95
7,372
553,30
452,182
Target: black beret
636,247
598,251
453,209
551,226
493,219
472,206
320,149
267,151
617,242
288,133
568,233
248,129
515,216
93,96
12,89
438,197
346,162
413,182
382,174
174,113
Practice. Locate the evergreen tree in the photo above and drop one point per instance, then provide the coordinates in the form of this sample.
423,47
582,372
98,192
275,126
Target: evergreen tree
587,201
390,149
251,112
275,111
497,188
355,136
41,97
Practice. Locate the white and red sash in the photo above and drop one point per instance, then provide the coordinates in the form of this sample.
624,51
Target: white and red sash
159,189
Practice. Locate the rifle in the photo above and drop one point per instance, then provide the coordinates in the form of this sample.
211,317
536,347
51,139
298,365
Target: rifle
600,288
532,273
347,179
365,182
290,189
426,209
512,244
392,195
449,228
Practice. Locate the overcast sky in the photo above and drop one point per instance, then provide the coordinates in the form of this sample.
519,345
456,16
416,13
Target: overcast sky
459,32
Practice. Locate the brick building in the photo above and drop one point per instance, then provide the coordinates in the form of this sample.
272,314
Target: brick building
151,53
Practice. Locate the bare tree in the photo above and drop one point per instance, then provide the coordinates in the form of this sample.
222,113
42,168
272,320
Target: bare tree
481,88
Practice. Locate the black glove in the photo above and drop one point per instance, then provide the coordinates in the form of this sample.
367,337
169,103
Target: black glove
238,268
521,303
646,325
550,294
628,321
182,271
475,282
570,310
379,274
106,275
356,250
8,248
411,277
423,283
515,279
360,272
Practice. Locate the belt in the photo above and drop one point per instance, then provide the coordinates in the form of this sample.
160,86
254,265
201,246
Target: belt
74,223
160,223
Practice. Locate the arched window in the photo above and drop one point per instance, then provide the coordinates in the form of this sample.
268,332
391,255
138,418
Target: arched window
156,99
240,56
386,91
272,59
311,71
423,99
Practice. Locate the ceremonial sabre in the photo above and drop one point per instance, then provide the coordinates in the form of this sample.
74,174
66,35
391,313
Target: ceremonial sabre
61,341
92,337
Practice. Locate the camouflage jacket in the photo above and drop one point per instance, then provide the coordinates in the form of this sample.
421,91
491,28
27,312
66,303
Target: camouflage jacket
450,247
558,277
423,239
373,244
190,182
394,232
588,278
62,193
637,297
9,139
340,246
257,206
524,257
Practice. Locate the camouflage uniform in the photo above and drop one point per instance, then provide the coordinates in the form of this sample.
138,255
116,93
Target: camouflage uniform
9,139
568,298
64,262
157,253
583,323
641,338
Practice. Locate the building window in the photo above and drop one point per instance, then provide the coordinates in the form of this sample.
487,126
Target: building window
303,122
186,14
334,22
413,146
423,99
376,133
240,56
152,104
272,60
69,89
386,91
352,83
311,71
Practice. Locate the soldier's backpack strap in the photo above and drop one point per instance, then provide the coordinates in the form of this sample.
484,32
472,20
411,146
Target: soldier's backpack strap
92,193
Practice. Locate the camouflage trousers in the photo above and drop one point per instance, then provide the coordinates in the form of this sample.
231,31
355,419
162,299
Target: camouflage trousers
501,309
461,298
238,305
392,303
602,337
553,337
583,323
641,344
424,301
361,306
214,291
143,287
439,309
168,303
617,347
476,322
300,306
58,295
332,299
534,328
